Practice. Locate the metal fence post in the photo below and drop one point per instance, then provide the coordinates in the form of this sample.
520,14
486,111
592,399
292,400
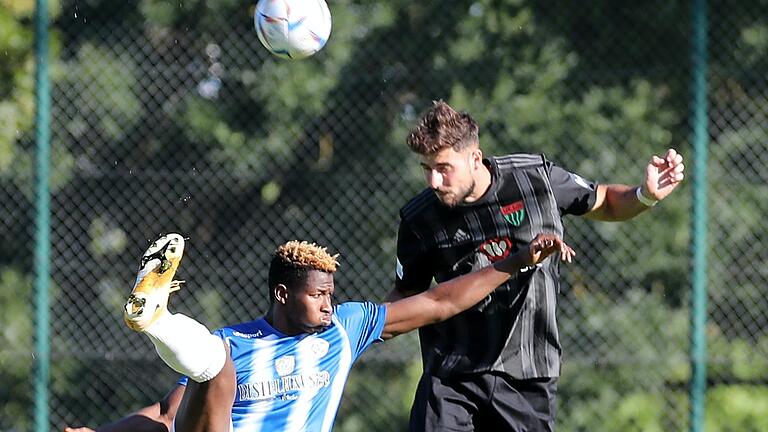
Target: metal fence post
699,238
42,221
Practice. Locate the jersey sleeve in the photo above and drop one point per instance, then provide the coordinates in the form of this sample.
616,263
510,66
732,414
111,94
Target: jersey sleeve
413,273
574,195
363,323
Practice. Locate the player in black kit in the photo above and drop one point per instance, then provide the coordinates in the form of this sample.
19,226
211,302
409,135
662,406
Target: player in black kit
495,366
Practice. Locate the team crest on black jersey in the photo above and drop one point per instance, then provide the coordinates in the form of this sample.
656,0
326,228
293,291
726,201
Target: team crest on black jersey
496,249
514,213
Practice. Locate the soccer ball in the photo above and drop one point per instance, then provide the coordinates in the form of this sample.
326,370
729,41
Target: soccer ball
293,29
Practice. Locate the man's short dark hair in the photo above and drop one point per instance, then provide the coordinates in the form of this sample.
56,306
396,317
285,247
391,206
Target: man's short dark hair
441,127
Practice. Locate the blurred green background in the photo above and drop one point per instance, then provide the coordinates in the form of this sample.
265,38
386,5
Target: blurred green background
170,116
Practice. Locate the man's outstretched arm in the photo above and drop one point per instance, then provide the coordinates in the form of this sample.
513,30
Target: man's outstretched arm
617,202
449,298
157,417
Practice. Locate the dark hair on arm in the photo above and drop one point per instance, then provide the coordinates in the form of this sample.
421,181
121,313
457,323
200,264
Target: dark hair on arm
441,127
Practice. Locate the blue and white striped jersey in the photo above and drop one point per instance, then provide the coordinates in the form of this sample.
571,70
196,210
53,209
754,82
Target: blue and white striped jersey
295,383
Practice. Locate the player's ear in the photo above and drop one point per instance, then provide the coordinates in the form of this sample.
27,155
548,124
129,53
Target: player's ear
280,292
477,158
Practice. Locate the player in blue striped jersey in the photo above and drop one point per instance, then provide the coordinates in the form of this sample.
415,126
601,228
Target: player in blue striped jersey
285,371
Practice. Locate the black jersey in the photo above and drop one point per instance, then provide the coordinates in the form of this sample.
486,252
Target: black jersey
513,330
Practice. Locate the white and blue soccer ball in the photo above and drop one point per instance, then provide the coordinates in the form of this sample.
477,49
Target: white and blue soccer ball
293,29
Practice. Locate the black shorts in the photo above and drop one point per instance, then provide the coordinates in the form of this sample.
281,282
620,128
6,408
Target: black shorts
489,402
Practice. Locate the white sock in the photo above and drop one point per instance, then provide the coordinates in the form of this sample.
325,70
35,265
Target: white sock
187,346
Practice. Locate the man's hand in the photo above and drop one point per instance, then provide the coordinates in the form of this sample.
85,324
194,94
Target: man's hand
662,175
80,429
545,245
453,296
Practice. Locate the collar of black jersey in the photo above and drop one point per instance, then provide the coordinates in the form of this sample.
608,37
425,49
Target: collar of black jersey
489,194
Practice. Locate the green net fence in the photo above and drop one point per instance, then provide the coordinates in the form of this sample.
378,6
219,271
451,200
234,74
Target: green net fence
169,116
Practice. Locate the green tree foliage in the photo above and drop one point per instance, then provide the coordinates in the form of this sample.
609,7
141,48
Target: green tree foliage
171,116
16,82
17,117
627,351
737,407
15,339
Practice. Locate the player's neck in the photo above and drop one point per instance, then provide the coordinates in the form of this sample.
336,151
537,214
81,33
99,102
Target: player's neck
279,322
482,184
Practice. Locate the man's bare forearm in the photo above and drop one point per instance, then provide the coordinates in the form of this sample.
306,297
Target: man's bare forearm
136,423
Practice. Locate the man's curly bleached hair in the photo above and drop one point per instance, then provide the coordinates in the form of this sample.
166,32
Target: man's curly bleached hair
441,127
292,262
305,255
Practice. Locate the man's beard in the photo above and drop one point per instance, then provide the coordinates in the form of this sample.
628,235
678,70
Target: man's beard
460,197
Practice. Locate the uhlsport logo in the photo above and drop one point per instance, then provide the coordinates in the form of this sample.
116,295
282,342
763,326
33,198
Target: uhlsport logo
514,213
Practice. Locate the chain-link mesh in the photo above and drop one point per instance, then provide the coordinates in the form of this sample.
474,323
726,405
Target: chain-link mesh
738,312
169,116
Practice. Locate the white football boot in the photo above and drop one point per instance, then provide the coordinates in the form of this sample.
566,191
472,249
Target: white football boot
154,282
